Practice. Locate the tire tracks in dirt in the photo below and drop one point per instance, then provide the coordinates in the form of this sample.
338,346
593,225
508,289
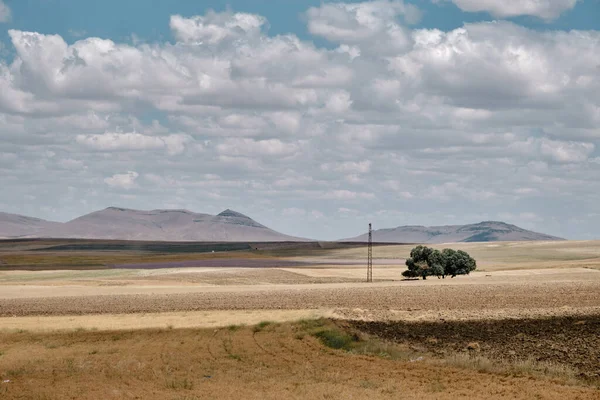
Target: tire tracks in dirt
208,347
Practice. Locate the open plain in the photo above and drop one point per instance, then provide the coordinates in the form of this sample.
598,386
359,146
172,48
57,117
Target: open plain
63,303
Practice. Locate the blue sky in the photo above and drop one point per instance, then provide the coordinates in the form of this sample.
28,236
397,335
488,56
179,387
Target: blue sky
476,110
148,19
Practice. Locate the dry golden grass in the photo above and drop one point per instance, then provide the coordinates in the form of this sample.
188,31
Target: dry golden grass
270,361
527,367
124,322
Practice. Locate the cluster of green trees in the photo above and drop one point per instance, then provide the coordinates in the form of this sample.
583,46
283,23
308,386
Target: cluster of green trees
425,261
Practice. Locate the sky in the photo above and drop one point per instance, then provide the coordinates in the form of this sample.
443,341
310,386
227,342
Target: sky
312,117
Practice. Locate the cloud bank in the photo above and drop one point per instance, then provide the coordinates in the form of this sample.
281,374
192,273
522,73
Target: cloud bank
388,123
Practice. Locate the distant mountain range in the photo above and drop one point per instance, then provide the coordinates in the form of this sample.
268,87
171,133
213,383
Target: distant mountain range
487,231
158,225
230,226
12,225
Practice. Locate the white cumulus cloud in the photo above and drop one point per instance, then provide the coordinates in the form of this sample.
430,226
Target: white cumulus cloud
173,144
566,152
545,9
372,26
124,181
251,147
216,27
348,166
348,195
488,117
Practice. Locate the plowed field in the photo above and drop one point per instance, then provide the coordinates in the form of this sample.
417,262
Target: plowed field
377,299
573,341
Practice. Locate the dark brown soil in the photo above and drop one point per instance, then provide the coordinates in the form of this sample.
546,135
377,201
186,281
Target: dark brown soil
574,341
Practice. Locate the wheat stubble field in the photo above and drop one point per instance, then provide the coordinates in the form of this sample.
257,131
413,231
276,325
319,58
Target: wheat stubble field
81,321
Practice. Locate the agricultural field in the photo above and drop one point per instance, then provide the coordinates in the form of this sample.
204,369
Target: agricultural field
311,359
179,321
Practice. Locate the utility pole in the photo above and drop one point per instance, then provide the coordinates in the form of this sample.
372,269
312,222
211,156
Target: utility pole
370,256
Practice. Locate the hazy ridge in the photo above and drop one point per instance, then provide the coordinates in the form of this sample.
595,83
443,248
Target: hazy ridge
231,226
158,225
487,231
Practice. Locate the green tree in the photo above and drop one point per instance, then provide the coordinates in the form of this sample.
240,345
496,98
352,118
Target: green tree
449,256
458,263
413,269
424,262
436,263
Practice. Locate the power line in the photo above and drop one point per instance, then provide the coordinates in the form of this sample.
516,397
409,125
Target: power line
370,256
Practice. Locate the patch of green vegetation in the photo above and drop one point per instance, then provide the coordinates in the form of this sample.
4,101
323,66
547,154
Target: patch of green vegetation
236,357
261,325
335,339
312,323
378,348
